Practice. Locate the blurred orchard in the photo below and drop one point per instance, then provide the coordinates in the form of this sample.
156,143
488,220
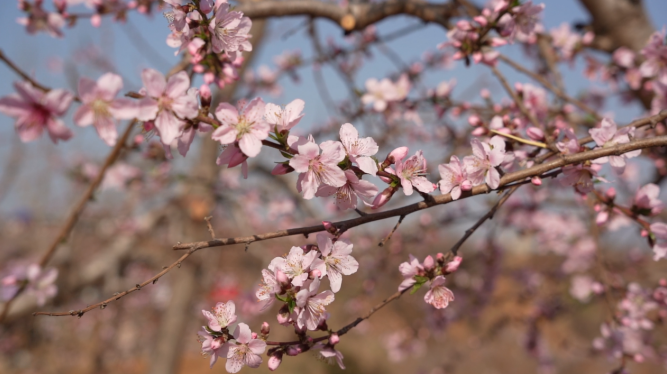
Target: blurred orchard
400,186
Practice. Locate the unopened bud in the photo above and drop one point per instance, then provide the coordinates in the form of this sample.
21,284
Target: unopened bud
384,197
536,181
474,120
440,258
611,193
283,315
479,131
293,350
315,274
282,279
429,263
334,339
395,155
205,95
535,133
275,360
281,169
466,185
253,335
485,93
644,233
453,265
266,329
330,227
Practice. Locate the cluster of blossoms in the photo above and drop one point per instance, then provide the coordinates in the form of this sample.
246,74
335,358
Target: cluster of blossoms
38,282
509,19
431,272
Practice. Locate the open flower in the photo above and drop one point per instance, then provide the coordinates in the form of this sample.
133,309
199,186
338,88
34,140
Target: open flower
230,31
312,305
481,166
439,296
608,135
454,178
346,196
411,173
212,346
379,93
223,315
409,270
330,354
296,265
316,168
268,288
232,156
168,102
580,177
647,199
247,127
101,107
336,260
659,231
284,119
36,111
246,351
41,283
359,150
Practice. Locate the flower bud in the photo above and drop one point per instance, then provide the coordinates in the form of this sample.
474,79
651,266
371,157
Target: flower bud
478,131
481,20
453,265
205,95
329,226
266,329
384,197
281,169
293,350
535,133
395,155
440,258
315,274
283,315
429,263
611,193
485,93
536,181
474,120
253,335
466,185
275,360
334,339
282,279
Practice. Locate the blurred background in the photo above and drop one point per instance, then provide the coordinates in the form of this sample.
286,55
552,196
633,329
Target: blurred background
514,309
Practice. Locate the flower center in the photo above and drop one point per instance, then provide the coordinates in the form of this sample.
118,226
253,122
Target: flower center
243,127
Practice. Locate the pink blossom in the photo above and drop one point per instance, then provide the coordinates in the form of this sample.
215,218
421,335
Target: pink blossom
566,40
176,16
525,17
359,150
212,345
223,315
230,31
379,93
346,196
481,166
569,146
100,106
453,265
330,354
647,199
40,20
316,168
336,260
295,266
118,175
608,135
268,288
275,360
168,102
284,119
409,269
35,111
655,53
439,296
659,231
454,178
41,283
624,57
582,287
188,136
232,156
247,127
580,177
411,173
245,351
312,304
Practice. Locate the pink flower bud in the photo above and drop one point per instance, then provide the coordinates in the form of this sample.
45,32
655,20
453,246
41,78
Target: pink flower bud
96,20
282,279
396,155
315,274
611,193
518,87
138,139
644,233
265,328
466,185
329,226
588,38
429,263
536,181
663,282
453,265
281,169
198,69
275,360
535,133
293,350
440,258
464,25
283,315
253,335
481,20
383,197
638,358
478,131
485,93
602,217
474,120
334,339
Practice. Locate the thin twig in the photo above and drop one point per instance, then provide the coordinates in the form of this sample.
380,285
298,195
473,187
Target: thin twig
386,239
210,227
488,215
21,73
74,215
